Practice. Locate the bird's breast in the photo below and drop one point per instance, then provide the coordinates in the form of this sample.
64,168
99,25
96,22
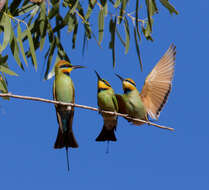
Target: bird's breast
64,89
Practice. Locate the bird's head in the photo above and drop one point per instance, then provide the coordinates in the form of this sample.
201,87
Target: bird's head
65,67
102,84
128,84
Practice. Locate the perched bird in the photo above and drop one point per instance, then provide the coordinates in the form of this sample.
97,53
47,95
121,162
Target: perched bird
154,93
63,90
107,101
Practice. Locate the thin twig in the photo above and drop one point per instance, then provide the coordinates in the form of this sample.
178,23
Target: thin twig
80,106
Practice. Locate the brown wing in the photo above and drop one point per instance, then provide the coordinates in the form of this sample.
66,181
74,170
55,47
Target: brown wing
157,85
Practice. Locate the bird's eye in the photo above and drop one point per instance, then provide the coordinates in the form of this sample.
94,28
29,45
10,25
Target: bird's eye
64,66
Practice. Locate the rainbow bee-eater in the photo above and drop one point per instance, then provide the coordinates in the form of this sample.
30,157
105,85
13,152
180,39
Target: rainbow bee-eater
155,91
63,90
107,101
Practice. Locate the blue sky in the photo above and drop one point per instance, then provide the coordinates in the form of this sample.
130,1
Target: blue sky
143,157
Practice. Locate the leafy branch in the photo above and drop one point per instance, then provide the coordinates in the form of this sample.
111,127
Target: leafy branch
81,106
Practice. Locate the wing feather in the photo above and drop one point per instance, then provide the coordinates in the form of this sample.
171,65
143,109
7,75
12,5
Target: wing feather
59,120
157,85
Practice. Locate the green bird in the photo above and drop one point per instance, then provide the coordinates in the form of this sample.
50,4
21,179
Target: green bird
63,90
154,93
107,101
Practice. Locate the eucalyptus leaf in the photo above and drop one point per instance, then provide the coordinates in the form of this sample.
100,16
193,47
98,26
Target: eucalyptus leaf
112,28
170,7
50,56
101,24
137,49
90,8
15,49
7,71
7,31
19,39
120,37
127,35
73,7
32,49
117,3
75,33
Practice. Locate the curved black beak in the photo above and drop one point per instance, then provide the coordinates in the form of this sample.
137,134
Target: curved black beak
121,78
77,66
99,78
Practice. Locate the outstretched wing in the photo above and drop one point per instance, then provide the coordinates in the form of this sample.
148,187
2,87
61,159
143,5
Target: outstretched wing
157,85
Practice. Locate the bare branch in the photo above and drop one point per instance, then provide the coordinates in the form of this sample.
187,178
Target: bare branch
81,106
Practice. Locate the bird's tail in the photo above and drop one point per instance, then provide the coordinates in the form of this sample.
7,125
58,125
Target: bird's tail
65,139
107,135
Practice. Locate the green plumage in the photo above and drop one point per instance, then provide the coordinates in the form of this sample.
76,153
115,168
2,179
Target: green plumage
130,103
133,104
107,101
63,90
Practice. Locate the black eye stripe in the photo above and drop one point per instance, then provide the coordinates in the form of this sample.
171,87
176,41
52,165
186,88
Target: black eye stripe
106,83
64,66
130,82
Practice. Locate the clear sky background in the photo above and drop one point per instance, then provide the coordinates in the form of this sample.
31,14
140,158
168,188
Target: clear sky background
143,157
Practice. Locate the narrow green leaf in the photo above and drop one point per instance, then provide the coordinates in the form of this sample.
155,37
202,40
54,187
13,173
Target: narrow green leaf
170,7
112,27
54,10
7,71
61,52
71,22
19,39
120,38
117,3
25,9
101,24
87,30
151,10
73,7
85,44
3,86
75,33
32,49
35,11
90,8
15,49
149,13
52,72
7,31
122,10
106,8
147,32
154,6
42,25
50,56
137,48
127,35
136,20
